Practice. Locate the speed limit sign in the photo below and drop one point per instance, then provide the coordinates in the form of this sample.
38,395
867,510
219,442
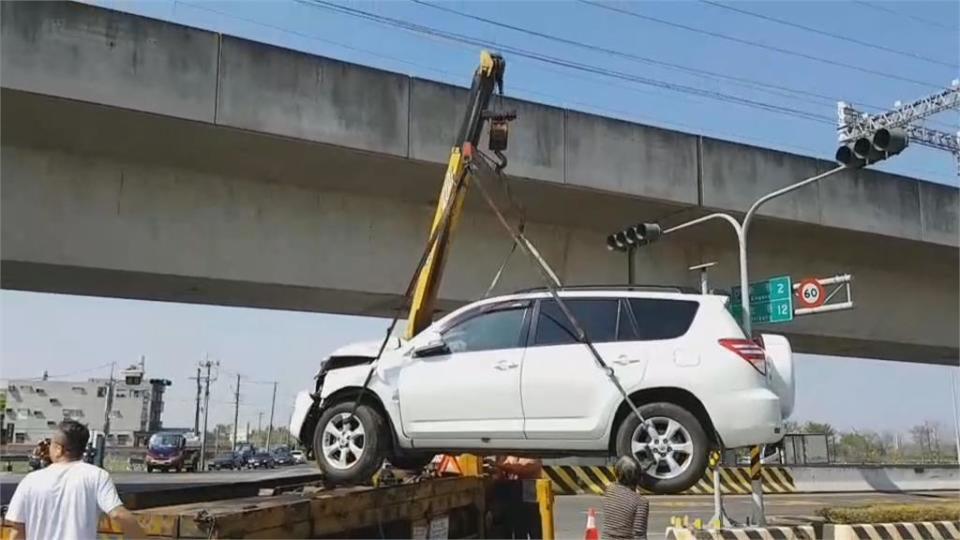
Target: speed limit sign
810,294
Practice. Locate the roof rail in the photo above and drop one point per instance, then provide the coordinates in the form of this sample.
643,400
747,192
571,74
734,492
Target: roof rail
636,287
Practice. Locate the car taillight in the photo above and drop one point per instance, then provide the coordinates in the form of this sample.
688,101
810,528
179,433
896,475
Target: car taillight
748,350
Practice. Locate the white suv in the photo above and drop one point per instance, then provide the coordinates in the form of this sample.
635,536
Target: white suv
506,376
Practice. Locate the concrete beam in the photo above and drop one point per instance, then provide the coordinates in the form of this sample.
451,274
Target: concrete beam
106,57
293,94
91,225
68,49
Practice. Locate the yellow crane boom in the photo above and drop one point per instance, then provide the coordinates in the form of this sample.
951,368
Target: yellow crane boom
486,80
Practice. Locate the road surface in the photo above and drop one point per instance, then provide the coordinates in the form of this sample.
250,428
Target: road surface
570,511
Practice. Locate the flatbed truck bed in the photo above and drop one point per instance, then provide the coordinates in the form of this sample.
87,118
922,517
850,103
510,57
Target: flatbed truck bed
448,507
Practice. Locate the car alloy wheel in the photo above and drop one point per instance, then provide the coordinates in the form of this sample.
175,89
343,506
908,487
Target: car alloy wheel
343,441
663,447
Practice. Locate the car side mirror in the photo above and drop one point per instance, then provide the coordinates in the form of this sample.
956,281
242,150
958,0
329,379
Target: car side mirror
431,348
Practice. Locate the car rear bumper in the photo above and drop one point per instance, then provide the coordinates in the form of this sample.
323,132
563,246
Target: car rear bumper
747,417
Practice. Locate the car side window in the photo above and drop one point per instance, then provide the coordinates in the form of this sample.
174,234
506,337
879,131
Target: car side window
496,329
659,318
598,317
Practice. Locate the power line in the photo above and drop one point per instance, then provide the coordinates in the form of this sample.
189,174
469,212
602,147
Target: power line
922,20
821,98
70,374
560,101
757,44
750,83
315,37
792,24
460,77
417,28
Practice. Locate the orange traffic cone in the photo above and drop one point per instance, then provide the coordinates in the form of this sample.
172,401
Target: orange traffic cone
592,533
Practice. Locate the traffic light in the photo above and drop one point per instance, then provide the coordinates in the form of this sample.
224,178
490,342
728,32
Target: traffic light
867,150
637,235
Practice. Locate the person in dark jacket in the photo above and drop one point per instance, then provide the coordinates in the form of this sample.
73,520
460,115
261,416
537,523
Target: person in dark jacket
625,510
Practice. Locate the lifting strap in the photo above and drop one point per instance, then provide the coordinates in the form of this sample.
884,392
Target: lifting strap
482,168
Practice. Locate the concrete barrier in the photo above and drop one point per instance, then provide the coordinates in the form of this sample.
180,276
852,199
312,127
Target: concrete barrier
805,532
591,475
939,530
836,479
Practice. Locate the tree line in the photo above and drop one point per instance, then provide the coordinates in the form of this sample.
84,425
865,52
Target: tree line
926,442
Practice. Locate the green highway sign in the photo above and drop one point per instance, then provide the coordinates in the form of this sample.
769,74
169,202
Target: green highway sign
770,301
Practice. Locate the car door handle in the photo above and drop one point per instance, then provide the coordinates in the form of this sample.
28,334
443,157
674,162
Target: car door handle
504,365
623,361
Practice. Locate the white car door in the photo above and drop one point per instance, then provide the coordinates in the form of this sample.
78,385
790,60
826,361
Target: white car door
470,392
566,395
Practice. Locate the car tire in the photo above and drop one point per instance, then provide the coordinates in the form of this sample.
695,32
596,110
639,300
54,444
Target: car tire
149,469
661,477
411,462
339,468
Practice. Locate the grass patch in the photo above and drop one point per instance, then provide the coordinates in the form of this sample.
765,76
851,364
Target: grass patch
892,513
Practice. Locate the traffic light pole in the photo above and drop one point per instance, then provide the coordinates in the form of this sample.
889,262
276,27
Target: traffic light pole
745,229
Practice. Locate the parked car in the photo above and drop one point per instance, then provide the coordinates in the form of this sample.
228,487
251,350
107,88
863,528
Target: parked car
261,460
282,456
229,460
298,457
245,450
458,386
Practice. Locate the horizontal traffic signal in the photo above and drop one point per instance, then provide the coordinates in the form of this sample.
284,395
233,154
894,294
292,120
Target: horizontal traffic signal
866,150
637,235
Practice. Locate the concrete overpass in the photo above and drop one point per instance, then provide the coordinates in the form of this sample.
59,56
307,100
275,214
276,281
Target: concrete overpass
142,159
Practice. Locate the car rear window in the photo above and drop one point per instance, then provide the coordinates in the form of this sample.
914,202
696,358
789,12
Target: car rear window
658,318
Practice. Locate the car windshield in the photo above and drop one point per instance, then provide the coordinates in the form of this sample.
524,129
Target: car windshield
164,439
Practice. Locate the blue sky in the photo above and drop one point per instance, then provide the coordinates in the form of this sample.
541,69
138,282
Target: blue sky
65,334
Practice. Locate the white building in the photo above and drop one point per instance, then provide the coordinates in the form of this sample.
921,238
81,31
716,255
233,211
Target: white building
35,406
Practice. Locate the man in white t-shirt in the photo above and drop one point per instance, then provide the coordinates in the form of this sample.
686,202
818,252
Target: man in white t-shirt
64,500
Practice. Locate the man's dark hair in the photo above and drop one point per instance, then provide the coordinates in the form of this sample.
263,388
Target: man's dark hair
73,436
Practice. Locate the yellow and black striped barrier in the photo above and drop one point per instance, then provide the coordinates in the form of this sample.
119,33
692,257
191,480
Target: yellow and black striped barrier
755,464
586,479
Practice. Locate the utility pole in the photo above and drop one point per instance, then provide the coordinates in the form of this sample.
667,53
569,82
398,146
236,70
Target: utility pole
273,403
236,411
206,414
196,414
101,444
